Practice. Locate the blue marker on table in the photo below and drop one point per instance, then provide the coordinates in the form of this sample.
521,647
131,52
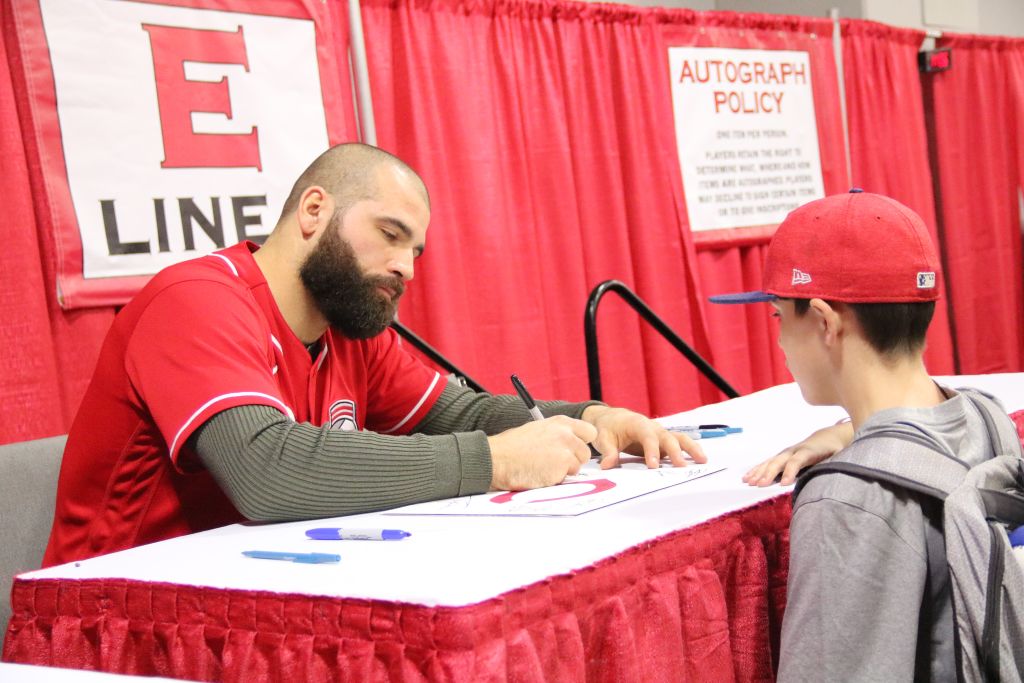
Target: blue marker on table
336,534
706,431
304,558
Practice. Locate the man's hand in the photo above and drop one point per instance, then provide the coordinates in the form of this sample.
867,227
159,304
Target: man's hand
812,450
619,429
539,453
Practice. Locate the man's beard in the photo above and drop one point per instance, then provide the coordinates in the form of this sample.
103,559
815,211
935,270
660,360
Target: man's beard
348,299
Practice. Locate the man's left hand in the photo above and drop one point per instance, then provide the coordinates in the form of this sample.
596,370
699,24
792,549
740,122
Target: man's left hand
619,429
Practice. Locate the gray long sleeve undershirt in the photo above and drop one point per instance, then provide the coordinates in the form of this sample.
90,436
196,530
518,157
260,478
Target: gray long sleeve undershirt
274,469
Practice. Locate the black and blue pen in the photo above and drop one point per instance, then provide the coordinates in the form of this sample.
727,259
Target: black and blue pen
531,407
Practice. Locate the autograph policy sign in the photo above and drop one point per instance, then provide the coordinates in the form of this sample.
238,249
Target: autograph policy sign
746,134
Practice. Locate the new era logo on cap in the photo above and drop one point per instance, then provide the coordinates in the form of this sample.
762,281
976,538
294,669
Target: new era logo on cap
926,280
800,277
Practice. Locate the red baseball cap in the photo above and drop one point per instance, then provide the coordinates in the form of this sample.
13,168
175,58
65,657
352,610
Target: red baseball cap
856,247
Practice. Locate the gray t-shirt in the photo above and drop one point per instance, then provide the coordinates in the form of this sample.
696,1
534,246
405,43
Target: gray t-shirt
858,564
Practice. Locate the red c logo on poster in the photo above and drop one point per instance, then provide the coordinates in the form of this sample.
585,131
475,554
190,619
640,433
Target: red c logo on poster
596,486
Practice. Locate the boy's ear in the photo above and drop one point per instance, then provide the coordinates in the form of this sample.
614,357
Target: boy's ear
829,320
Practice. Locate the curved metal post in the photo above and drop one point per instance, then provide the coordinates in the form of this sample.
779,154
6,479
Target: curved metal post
638,305
435,355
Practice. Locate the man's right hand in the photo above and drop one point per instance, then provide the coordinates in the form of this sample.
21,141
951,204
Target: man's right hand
539,453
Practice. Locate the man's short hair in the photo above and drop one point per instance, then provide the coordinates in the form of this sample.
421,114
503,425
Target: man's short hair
893,329
348,172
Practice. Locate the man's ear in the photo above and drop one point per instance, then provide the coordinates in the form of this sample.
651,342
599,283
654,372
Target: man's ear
314,210
829,320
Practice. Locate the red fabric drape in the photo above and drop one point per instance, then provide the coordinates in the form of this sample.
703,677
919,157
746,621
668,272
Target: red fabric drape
885,115
979,143
704,604
543,130
546,133
743,338
24,330
47,355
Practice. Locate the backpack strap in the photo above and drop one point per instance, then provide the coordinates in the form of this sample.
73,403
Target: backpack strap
934,471
991,491
1003,506
1000,505
1004,441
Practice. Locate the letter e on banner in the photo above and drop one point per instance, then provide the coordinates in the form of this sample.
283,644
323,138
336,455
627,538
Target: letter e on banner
178,97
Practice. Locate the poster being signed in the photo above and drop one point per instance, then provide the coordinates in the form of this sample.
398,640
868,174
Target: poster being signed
591,489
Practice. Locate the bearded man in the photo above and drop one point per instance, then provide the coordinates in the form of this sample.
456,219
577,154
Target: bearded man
265,383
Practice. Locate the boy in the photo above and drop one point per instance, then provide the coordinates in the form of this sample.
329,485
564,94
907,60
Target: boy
853,279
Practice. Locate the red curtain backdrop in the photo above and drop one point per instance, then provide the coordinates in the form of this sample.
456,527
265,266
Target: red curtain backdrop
48,354
889,141
543,131
743,337
978,141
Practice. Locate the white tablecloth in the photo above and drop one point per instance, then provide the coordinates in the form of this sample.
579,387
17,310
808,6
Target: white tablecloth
454,561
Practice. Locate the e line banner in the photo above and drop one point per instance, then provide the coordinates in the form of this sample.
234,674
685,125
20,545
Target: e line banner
167,129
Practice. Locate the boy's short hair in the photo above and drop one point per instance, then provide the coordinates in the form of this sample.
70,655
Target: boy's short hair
890,329
855,248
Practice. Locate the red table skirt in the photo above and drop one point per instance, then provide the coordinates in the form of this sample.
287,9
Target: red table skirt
701,604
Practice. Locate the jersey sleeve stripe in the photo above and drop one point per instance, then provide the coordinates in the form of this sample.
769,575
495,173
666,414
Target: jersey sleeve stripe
227,261
225,397
273,340
426,394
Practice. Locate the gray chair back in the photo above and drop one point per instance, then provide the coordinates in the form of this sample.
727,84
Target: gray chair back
28,489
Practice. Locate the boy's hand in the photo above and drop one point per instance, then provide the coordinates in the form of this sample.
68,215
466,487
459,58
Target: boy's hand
812,450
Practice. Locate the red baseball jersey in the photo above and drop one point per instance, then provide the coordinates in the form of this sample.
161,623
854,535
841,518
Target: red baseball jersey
204,336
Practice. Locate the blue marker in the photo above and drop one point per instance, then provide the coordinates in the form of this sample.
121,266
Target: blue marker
305,558
706,431
336,534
